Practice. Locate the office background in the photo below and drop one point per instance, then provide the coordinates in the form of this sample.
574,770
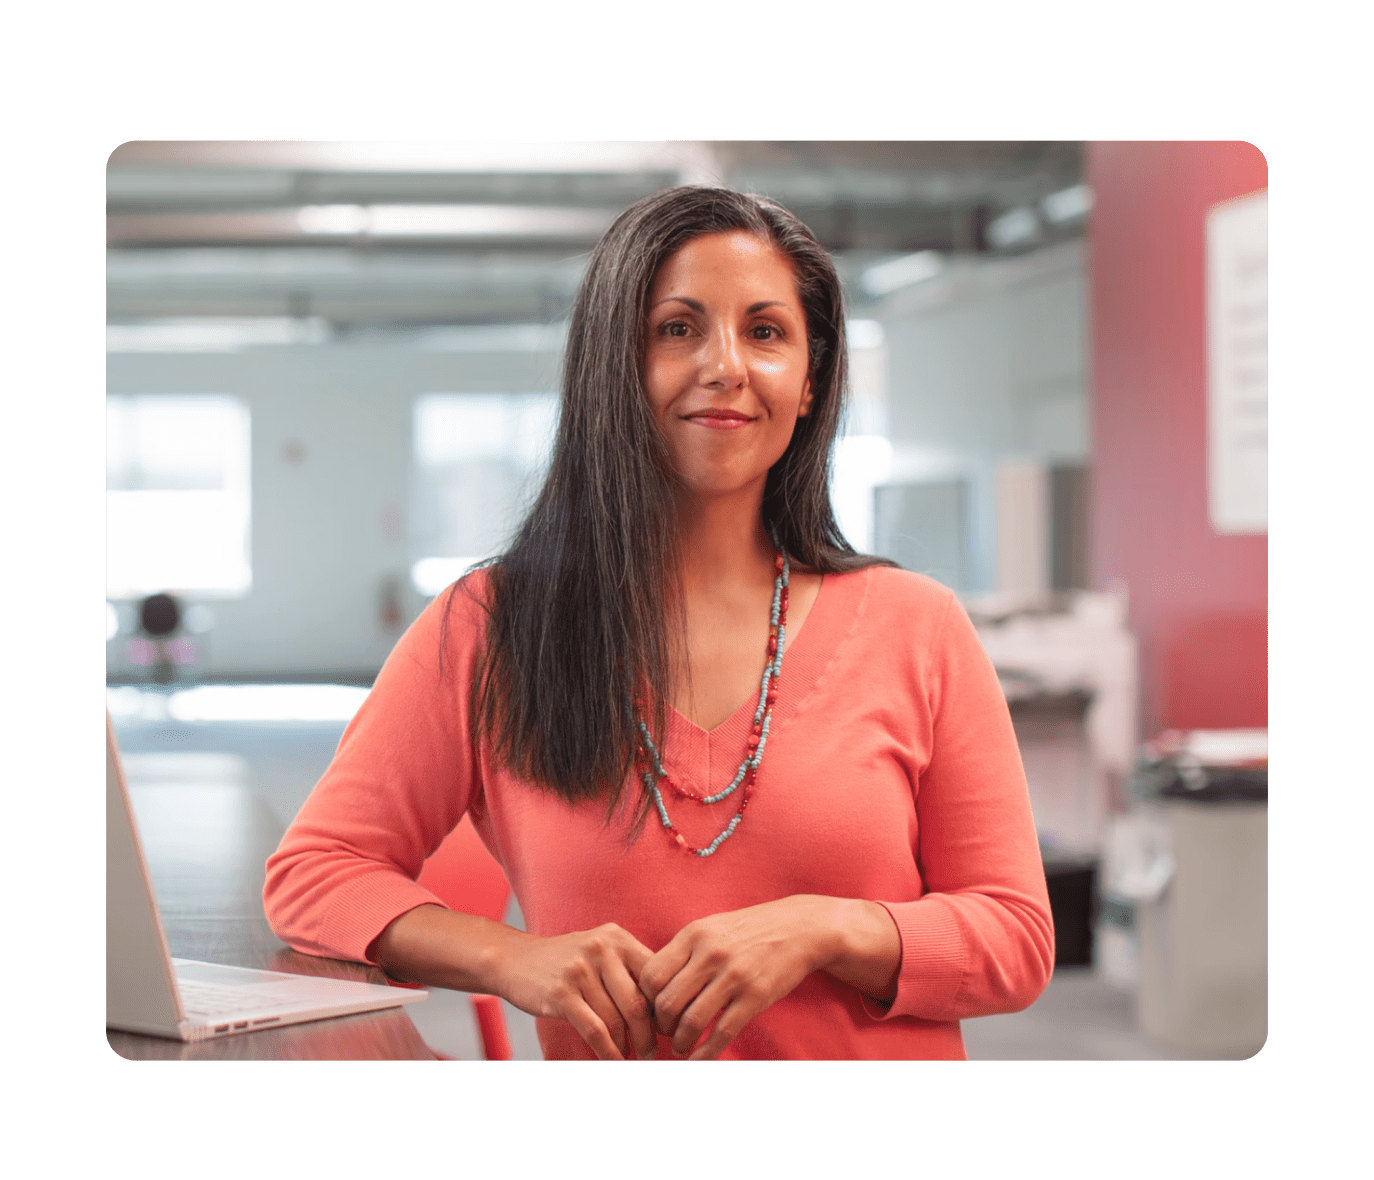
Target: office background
332,366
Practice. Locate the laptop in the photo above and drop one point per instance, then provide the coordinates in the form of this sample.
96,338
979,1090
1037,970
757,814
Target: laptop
147,991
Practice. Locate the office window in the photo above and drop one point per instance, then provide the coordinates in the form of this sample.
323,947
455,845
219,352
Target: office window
924,528
479,461
177,495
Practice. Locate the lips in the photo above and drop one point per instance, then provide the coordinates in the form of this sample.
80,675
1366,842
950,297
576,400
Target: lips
719,419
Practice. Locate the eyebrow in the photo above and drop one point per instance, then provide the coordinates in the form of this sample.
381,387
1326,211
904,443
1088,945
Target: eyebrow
697,306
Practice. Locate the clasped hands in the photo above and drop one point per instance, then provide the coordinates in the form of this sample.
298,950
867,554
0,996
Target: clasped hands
717,972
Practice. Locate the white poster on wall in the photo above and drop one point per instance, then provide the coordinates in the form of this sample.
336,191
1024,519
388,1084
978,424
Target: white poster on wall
1238,364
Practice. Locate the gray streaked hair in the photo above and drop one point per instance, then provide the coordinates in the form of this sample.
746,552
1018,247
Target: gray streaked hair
584,608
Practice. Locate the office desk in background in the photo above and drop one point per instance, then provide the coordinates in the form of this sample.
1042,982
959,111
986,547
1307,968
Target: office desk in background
206,846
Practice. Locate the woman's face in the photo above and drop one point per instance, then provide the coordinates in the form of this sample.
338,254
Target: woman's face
726,363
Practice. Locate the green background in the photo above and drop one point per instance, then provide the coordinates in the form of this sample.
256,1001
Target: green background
79,81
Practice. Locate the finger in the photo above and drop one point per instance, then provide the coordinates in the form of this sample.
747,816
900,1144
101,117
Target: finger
656,971
592,1029
635,955
608,1012
678,993
608,949
733,1017
697,1017
633,1007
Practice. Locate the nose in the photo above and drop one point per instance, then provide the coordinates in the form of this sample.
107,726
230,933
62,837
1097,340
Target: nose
722,362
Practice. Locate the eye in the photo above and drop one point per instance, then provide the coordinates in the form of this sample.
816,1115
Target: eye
674,328
766,332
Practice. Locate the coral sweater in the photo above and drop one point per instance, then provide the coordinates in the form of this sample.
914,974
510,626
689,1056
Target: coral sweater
891,774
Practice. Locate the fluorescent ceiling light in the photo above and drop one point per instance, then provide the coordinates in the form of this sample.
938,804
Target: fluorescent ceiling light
333,219
414,156
891,276
453,221
1067,204
214,334
1013,228
554,223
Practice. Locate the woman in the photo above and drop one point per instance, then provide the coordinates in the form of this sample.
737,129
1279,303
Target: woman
757,795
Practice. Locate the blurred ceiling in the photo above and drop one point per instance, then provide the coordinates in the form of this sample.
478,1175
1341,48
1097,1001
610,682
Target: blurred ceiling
360,235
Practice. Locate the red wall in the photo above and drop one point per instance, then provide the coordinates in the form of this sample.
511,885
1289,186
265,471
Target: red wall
1199,600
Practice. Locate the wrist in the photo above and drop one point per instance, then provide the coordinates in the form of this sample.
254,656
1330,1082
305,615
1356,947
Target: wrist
852,936
446,948
497,959
830,919
866,947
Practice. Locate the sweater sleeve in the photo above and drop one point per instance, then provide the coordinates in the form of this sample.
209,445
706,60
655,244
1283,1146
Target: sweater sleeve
401,779
981,939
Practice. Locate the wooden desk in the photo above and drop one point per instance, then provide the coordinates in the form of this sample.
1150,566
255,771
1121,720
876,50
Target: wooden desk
206,845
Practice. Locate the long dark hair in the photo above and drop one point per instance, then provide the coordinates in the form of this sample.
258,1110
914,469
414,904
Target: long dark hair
585,604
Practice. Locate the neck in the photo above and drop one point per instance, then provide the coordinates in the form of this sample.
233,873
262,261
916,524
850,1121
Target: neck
723,541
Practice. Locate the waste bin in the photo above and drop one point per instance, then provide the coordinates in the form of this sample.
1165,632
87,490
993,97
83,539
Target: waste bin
1071,884
1199,889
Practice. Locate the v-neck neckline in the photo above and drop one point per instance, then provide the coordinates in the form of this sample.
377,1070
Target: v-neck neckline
697,757
751,702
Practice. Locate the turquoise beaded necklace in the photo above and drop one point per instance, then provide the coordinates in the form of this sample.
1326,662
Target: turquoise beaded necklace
758,736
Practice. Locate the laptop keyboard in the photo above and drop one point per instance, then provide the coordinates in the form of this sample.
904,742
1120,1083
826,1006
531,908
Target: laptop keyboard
209,1000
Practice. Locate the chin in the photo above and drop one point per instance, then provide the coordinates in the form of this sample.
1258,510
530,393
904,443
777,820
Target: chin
718,487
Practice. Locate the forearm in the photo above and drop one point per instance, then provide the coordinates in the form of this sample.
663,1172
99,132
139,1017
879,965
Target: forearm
444,948
858,944
585,977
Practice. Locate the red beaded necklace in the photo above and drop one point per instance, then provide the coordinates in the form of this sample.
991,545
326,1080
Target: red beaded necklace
651,765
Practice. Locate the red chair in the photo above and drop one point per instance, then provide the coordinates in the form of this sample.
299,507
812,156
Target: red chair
466,877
